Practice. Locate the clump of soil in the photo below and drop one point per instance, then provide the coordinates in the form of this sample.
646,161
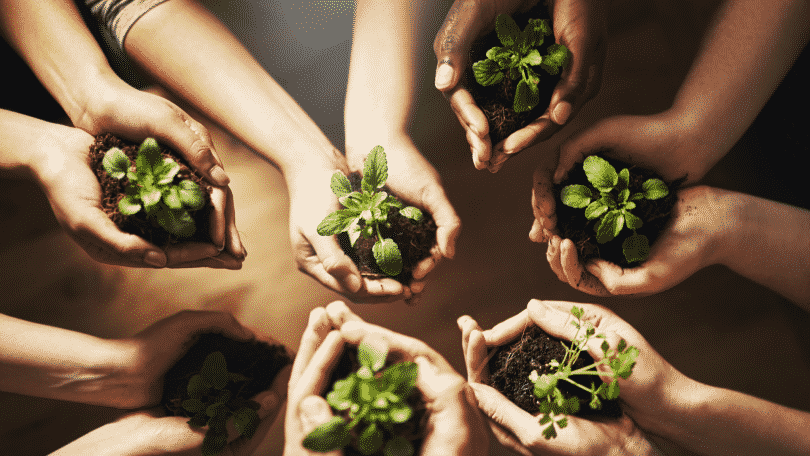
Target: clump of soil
510,366
414,239
113,190
655,214
414,429
259,361
496,101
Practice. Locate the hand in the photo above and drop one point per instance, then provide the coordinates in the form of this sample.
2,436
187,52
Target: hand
580,25
75,197
643,394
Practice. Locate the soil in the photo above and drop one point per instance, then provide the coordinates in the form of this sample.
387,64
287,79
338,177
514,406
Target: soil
413,239
496,101
413,429
113,190
654,213
256,360
510,366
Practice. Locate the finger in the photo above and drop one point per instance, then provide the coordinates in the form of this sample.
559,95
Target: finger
506,414
271,402
219,198
508,440
575,150
466,324
315,377
448,224
463,23
354,332
339,313
539,130
187,252
186,325
233,242
475,358
553,257
329,264
555,318
316,331
382,287
507,330
423,268
636,281
105,243
222,261
543,202
437,382
313,412
475,124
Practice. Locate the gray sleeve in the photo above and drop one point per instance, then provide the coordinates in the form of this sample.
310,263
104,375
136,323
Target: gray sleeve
118,16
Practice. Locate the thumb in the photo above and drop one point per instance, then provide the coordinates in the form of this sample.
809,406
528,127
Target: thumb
575,150
105,243
313,412
452,44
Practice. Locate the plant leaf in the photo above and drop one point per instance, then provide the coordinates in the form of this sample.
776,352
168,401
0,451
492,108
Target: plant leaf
576,196
632,221
196,387
606,227
400,413
178,223
487,72
527,96
624,195
354,230
150,198
557,57
532,58
337,222
166,170
507,29
595,209
214,370
398,446
129,205
148,156
387,255
193,405
654,189
214,443
544,385
370,440
246,420
172,198
371,356
327,437
340,185
400,378
375,170
535,32
191,194
412,213
116,163
601,174
549,432
636,248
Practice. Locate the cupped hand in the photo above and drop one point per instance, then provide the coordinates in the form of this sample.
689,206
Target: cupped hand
580,25
645,395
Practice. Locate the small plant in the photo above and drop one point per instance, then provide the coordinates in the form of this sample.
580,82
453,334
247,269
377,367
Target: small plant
212,404
610,201
553,405
517,58
151,188
373,399
365,211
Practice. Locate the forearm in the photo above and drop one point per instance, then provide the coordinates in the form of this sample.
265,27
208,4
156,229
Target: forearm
27,143
745,55
189,51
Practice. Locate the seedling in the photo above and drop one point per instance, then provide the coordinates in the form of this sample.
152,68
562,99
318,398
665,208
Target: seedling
212,404
517,58
610,201
553,405
367,210
373,399
152,188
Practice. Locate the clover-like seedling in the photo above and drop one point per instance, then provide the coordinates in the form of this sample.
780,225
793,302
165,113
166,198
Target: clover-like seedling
553,405
211,404
517,58
373,399
152,188
367,210
610,201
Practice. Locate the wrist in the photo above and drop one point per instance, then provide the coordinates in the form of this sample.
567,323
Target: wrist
696,147
726,210
360,143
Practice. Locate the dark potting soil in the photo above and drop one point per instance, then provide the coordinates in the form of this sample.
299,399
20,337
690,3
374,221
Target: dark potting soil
496,101
413,429
655,214
113,190
511,365
259,361
414,239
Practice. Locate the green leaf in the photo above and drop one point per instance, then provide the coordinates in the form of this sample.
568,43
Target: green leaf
327,437
191,194
354,230
116,163
166,170
400,378
527,96
129,205
198,420
624,195
637,197
246,421
214,443
654,189
576,196
577,312
632,221
340,185
193,405
549,432
214,370
398,446
355,201
375,170
636,248
400,413
624,179
506,29
150,198
532,58
544,385
535,32
148,157
412,213
196,387
606,227
557,57
387,255
214,409
237,377
371,356
178,223
612,391
600,173
487,72
172,198
337,222
595,209
629,206
370,440
628,361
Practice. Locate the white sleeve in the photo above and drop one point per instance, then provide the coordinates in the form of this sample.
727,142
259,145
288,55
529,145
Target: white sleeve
118,16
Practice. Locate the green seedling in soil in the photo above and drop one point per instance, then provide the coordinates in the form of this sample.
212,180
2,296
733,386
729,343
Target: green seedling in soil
554,407
212,404
517,58
610,201
151,187
373,399
367,210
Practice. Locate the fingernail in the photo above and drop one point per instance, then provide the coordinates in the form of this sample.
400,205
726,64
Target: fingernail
314,411
561,112
155,258
219,176
444,76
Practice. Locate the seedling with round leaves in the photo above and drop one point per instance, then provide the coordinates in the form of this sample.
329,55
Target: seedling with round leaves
610,201
517,58
555,407
367,210
212,404
151,187
373,398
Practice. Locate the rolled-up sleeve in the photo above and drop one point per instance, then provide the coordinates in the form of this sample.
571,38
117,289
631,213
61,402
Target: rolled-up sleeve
118,16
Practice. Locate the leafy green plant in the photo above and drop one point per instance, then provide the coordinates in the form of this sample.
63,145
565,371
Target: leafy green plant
152,188
373,399
367,210
553,405
212,404
517,58
610,201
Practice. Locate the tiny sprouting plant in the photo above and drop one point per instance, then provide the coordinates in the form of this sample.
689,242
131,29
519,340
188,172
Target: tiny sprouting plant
374,400
553,405
367,210
517,58
211,404
610,201
151,188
